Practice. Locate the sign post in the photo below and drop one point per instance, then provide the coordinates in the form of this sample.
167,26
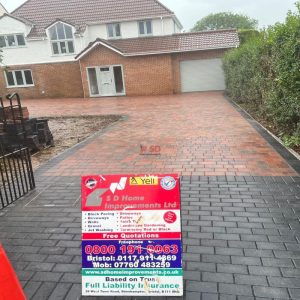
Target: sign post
131,235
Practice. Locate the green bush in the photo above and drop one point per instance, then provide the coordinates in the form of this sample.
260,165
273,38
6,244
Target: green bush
247,34
265,72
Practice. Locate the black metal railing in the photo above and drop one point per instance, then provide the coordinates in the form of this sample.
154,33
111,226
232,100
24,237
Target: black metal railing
16,173
16,176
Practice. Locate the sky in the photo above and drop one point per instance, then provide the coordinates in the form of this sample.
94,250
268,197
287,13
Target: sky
267,12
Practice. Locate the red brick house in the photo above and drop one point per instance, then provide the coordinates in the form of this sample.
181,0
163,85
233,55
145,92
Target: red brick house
94,48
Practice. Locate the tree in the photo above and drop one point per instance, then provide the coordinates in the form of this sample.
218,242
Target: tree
225,20
247,34
263,75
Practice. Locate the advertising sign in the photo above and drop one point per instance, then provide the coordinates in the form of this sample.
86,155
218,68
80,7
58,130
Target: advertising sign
131,235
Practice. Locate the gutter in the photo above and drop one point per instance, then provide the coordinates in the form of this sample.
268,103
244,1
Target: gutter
127,20
175,51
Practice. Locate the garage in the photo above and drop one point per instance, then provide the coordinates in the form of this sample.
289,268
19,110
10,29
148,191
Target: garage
157,65
202,75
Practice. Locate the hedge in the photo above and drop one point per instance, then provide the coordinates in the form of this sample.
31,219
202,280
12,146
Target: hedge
265,72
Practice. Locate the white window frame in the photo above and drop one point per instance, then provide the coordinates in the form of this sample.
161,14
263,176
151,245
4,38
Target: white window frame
16,45
114,31
145,27
58,41
15,79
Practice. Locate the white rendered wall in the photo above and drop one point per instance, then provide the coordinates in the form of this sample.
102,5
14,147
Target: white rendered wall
39,51
10,25
168,26
96,31
35,51
129,29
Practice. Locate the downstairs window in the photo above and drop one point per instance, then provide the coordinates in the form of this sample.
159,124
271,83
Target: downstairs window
19,78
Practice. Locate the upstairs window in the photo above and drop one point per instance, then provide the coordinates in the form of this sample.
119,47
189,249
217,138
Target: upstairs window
145,27
62,41
12,40
114,30
19,78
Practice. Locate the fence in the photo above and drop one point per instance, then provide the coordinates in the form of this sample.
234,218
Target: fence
16,173
16,176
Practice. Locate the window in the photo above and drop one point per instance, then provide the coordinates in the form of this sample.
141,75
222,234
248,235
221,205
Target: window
19,78
145,27
61,37
12,40
114,30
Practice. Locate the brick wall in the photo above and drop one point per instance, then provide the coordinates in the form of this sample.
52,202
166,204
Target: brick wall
54,80
143,75
178,57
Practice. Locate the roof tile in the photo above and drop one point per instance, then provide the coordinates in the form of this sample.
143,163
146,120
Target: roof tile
183,42
82,12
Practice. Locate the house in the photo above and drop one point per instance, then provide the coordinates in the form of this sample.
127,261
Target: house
94,48
2,10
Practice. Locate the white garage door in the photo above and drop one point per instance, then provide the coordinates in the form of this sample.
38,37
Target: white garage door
202,75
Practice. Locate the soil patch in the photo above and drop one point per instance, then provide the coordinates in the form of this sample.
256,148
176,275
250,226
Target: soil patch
69,131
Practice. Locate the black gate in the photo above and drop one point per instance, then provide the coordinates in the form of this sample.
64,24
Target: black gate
16,174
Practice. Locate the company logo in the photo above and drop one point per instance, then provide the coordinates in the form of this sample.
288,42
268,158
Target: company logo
168,183
91,183
147,180
170,217
118,186
94,198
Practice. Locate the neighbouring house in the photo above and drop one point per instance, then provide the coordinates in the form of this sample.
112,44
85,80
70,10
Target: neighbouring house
94,48
2,10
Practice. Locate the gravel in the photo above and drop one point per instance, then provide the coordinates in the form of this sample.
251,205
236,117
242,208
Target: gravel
69,131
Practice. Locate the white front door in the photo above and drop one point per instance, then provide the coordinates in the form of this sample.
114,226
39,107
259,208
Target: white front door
106,81
107,86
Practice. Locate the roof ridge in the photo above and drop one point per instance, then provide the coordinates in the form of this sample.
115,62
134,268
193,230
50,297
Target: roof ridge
142,38
207,31
172,35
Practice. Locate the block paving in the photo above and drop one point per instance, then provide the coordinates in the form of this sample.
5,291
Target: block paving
241,238
198,133
241,230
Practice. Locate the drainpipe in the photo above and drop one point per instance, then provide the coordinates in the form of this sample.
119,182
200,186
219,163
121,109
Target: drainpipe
162,25
81,75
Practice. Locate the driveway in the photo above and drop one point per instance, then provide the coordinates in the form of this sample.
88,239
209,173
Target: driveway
241,232
198,134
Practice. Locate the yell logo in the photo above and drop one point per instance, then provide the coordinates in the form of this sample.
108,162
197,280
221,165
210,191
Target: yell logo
147,180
